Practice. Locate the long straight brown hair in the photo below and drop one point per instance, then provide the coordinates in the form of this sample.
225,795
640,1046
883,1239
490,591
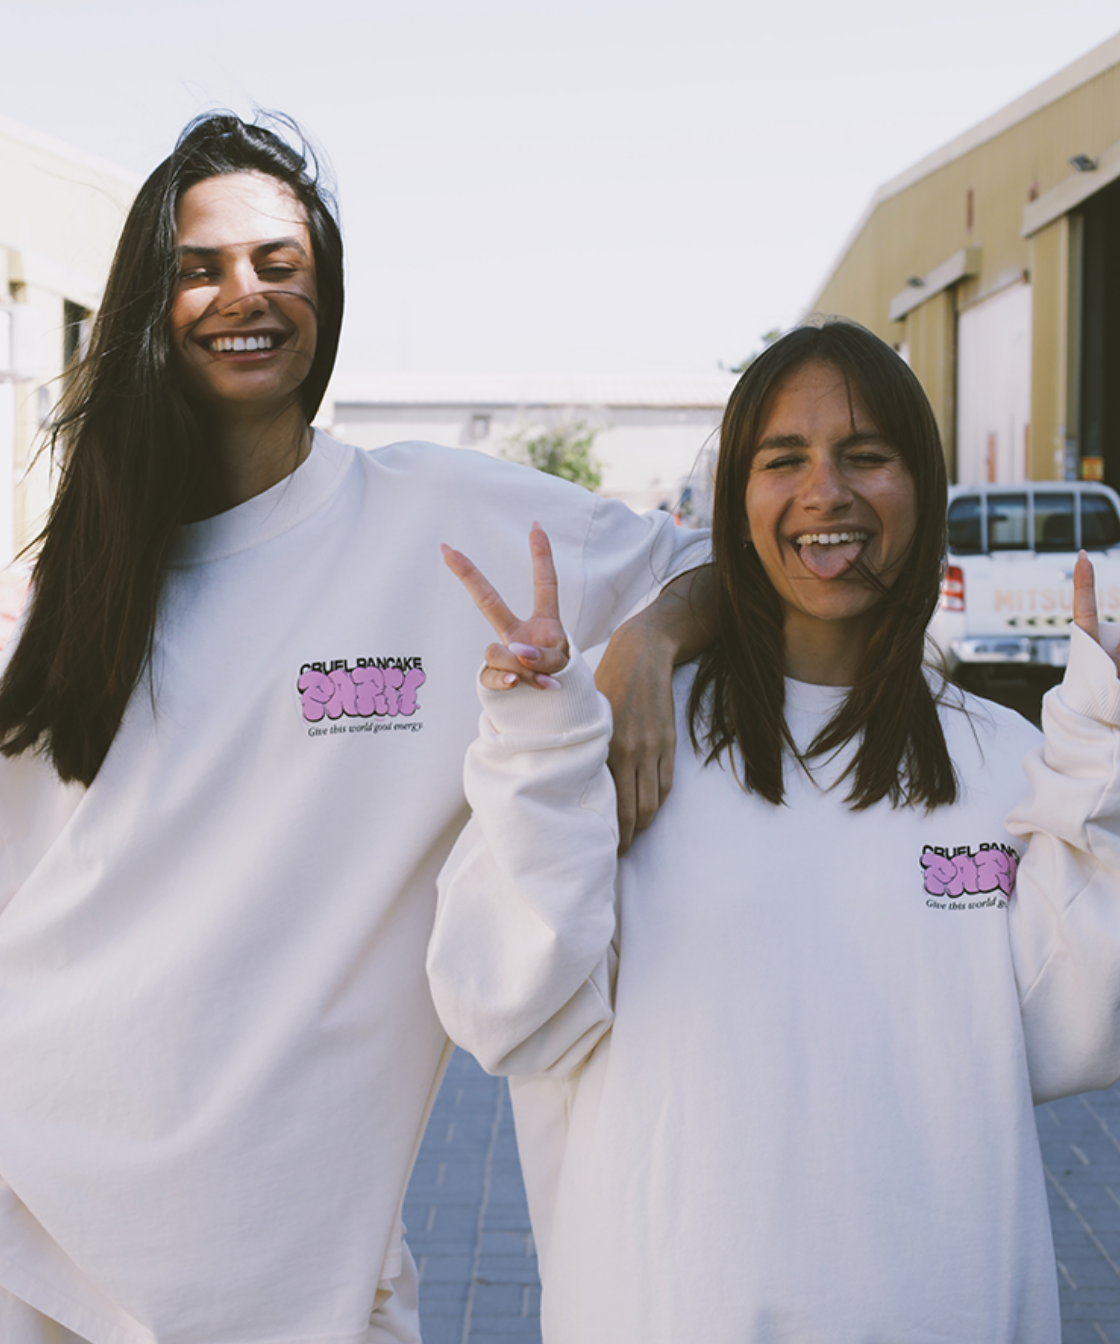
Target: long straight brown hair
737,703
136,461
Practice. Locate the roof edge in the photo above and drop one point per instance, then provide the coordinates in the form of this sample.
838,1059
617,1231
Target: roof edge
1069,193
49,144
1094,62
462,391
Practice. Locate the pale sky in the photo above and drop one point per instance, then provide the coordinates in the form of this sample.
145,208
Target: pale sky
573,188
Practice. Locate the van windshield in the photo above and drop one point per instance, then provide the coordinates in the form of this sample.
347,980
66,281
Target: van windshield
1100,528
1053,522
1007,523
1040,520
964,526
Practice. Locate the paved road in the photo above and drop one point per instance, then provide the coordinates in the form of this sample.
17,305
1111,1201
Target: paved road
469,1228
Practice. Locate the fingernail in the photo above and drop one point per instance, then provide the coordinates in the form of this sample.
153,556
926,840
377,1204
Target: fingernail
524,651
547,683
510,679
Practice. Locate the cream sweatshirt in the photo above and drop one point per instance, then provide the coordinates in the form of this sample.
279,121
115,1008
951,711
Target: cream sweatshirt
217,1044
774,1080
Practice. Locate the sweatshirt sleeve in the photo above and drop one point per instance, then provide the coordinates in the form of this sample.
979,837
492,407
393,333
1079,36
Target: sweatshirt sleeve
628,558
521,962
1065,918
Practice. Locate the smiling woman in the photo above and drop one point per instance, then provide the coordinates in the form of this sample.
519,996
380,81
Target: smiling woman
828,434
831,511
764,1087
158,428
231,740
244,321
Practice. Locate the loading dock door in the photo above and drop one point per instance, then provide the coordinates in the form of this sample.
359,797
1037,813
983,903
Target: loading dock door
994,388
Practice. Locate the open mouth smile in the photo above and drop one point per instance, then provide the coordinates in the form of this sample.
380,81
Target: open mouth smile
225,345
828,538
828,555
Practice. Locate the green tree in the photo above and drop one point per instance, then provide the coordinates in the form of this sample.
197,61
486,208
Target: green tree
563,450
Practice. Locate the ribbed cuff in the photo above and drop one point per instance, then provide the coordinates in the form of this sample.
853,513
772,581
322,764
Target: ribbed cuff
1091,686
530,711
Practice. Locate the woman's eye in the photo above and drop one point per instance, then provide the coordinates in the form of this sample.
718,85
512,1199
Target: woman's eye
276,272
196,273
777,463
871,459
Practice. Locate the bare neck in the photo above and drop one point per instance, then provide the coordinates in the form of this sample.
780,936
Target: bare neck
824,653
256,452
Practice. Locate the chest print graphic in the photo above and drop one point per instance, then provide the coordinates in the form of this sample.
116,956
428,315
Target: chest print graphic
988,871
374,688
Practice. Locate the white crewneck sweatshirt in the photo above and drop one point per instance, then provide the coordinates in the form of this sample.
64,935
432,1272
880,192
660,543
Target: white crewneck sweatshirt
217,1045
803,1115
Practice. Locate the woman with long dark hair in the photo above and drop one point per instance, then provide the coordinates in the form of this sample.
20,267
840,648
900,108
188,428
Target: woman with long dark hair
775,1068
143,447
232,725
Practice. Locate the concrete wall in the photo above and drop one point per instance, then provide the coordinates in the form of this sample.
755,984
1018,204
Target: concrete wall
647,452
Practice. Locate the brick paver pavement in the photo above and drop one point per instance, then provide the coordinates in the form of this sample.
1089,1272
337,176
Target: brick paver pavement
468,1225
469,1228
1080,1139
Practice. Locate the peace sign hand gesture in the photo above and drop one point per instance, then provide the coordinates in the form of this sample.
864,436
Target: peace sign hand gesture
532,649
1085,603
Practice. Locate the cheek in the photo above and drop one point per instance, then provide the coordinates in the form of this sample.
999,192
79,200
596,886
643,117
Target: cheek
753,509
185,312
310,314
904,515
762,508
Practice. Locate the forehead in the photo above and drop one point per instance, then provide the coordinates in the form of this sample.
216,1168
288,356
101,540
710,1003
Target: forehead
236,209
815,399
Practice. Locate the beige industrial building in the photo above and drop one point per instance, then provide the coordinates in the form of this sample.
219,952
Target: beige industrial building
61,212
993,267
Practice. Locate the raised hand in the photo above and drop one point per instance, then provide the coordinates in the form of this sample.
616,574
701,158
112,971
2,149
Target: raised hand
531,650
1085,603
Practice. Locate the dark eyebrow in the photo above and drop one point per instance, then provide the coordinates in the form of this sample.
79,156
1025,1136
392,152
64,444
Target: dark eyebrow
859,439
783,441
259,249
856,440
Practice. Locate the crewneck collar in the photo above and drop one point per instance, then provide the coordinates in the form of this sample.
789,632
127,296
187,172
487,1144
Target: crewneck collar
802,697
268,514
808,709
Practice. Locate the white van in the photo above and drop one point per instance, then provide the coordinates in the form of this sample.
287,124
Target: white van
1007,597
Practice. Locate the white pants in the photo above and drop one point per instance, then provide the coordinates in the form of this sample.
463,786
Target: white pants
395,1322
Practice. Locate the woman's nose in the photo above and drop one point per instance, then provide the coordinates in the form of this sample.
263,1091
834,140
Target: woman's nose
826,487
242,295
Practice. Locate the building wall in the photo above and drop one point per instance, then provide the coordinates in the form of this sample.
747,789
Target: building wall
931,349
972,195
61,213
648,454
